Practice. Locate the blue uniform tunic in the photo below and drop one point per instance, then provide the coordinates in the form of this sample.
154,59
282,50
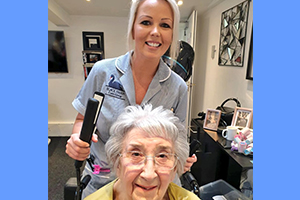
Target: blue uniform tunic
113,77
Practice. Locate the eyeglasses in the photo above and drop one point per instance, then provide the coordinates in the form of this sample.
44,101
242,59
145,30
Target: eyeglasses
163,161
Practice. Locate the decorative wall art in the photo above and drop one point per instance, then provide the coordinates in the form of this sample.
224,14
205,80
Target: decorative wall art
92,56
93,50
89,59
249,74
93,41
57,55
233,35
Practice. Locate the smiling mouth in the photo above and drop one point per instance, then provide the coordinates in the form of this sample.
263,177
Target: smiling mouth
146,188
151,44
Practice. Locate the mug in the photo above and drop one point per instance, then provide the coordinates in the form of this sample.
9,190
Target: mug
230,131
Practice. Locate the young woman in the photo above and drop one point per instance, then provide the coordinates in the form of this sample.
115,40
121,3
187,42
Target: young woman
136,78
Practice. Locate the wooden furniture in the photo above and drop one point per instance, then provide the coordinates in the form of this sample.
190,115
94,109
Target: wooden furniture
213,160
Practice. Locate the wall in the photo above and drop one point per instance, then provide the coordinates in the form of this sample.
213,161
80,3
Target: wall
63,88
213,83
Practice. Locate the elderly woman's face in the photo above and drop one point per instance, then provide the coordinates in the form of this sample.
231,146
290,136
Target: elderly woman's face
147,181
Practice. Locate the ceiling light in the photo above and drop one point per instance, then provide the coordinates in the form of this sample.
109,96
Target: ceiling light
88,0
179,2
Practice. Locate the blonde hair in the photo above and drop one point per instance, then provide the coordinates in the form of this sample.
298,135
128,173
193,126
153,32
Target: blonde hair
176,15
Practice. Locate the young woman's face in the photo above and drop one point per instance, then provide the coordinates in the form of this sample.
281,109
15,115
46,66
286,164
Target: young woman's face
146,181
153,28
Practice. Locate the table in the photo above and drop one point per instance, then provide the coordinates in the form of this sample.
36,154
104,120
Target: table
214,161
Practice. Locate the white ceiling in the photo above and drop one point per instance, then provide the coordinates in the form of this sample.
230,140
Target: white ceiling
120,8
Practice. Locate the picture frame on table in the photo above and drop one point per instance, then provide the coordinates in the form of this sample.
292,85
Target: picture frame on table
93,41
212,119
242,117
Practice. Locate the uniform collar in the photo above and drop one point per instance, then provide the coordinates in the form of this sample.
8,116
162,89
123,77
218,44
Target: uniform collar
123,65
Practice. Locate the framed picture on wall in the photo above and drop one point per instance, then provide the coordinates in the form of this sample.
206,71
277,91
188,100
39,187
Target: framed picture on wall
233,35
249,74
242,117
92,57
93,41
212,119
57,54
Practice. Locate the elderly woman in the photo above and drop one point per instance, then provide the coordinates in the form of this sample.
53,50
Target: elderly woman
138,77
147,148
